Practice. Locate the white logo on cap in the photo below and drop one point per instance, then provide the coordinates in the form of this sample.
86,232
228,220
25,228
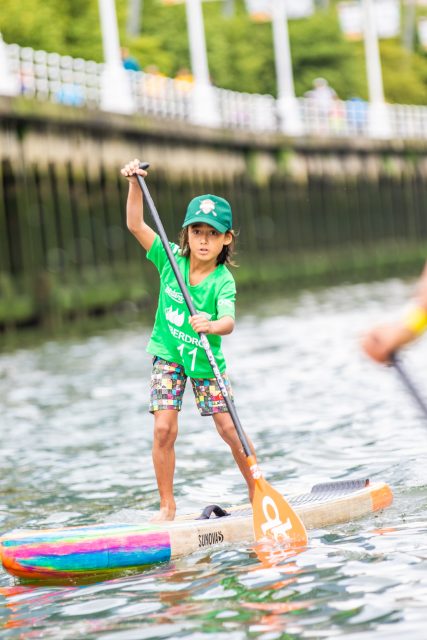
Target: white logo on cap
207,206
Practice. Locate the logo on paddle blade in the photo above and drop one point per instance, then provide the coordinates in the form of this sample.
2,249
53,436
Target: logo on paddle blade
273,525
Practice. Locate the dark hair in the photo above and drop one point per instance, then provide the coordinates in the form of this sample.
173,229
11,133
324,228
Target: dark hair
226,254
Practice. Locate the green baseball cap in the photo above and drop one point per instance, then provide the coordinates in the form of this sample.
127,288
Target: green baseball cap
211,210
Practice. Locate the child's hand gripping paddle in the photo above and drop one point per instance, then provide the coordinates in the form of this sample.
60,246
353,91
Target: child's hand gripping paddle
273,516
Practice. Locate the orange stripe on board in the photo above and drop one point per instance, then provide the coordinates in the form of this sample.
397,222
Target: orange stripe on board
381,498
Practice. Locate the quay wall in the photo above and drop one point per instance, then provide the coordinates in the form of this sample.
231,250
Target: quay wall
307,210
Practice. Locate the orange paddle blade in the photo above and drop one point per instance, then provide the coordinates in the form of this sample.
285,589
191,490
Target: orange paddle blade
274,517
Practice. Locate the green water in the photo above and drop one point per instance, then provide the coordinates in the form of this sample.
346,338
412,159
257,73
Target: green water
76,441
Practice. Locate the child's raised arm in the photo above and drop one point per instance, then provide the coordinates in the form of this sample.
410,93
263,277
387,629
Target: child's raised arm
134,206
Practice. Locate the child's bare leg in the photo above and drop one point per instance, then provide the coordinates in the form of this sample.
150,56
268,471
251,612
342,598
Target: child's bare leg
227,431
165,432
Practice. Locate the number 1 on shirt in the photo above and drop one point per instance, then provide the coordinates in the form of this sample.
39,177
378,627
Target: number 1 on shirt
193,353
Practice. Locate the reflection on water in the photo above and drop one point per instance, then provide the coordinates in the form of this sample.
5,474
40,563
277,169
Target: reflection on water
76,441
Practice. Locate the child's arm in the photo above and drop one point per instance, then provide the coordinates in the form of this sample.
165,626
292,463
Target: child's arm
134,206
221,327
381,342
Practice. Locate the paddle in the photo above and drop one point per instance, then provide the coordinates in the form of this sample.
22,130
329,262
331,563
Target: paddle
273,517
408,383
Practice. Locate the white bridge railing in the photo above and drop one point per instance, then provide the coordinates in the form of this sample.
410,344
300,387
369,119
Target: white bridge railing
77,82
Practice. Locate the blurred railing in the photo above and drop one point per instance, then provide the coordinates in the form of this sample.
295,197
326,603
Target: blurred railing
49,76
77,82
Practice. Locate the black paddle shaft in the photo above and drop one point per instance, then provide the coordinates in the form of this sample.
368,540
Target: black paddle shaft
203,339
409,384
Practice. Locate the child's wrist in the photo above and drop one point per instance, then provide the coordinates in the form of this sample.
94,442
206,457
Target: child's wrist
415,320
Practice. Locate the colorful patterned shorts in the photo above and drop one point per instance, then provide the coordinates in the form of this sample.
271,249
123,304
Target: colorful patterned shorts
168,381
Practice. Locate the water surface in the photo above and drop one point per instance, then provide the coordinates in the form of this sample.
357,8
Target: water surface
76,441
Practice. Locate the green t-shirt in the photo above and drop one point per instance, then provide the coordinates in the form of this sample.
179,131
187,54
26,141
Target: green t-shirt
173,338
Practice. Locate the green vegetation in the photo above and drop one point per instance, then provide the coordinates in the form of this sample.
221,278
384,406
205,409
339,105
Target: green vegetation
240,51
48,301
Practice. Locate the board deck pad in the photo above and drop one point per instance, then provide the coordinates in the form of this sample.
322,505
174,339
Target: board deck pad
103,550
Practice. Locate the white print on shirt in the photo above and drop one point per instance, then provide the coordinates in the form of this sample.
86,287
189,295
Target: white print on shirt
193,353
175,295
225,303
174,316
180,335
207,206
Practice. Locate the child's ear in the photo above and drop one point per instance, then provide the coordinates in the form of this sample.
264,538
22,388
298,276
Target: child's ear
228,238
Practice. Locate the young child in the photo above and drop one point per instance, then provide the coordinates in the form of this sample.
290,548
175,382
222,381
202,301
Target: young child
206,246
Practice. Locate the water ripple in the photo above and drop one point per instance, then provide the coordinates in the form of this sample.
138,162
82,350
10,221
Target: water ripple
76,445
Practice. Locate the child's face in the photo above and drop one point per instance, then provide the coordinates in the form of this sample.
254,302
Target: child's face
205,242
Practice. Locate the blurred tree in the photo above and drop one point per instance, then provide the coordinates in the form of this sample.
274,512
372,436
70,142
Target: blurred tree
71,30
404,74
240,51
40,26
166,26
83,28
319,49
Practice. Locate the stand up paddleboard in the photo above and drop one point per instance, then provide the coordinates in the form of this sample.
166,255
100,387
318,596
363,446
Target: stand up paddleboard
100,551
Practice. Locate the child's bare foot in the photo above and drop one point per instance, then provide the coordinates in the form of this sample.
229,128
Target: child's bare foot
165,513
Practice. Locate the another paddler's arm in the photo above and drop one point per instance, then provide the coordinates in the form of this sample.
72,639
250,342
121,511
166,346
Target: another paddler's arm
135,206
382,341
221,327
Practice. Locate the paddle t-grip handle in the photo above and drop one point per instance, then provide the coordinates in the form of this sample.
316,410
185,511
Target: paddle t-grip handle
144,165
